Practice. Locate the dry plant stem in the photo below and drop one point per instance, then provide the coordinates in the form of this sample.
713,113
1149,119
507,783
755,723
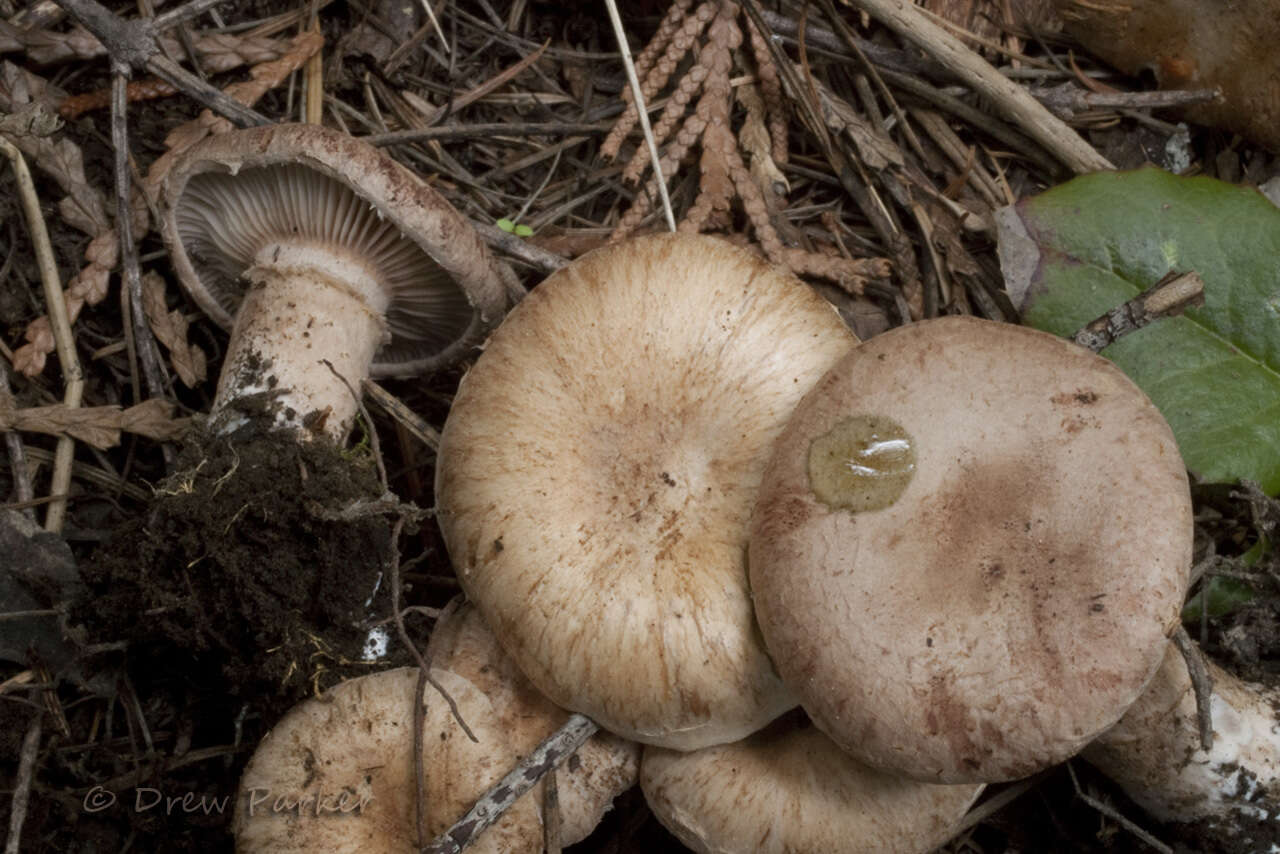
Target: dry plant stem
22,790
909,22
480,131
1068,99
547,756
551,814
850,172
65,344
133,44
1116,816
17,453
410,420
540,259
642,112
999,801
144,341
499,80
1201,684
184,13
314,75
996,128
1170,296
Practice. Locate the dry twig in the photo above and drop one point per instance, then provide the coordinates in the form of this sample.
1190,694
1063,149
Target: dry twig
61,329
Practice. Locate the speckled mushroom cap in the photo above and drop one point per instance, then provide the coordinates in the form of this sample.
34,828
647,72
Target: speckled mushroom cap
597,471
1000,549
235,194
336,774
789,789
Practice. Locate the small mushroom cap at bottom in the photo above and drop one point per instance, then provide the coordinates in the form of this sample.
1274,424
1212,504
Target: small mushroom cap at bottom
969,548
789,789
336,773
603,768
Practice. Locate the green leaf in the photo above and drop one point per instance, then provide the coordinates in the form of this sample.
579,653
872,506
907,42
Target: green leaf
524,231
1073,253
506,225
1225,594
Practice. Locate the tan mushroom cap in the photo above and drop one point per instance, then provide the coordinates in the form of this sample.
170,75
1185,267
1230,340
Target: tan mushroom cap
336,773
597,472
603,768
789,789
1015,597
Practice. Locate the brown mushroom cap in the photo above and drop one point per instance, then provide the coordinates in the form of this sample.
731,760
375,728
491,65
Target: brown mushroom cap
788,788
336,773
597,472
1013,599
237,194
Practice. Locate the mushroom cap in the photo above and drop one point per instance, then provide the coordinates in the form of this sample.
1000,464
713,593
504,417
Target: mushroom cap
1014,599
311,191
350,752
597,471
788,788
600,770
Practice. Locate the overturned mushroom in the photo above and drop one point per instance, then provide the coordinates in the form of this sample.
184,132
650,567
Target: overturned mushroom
597,471
969,549
788,788
313,246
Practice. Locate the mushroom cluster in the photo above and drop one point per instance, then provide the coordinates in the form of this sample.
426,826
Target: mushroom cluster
686,500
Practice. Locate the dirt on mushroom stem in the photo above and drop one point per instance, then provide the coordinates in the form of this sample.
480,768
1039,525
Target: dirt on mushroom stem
238,567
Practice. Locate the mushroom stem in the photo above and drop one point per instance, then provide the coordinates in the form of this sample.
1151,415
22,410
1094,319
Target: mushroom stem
304,307
1155,753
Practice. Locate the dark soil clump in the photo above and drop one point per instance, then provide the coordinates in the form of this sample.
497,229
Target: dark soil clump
251,562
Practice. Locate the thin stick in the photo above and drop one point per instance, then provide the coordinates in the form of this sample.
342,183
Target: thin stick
551,823
1116,816
22,490
22,790
182,14
621,34
410,420
544,758
56,305
144,341
435,24
1170,296
1201,681
909,22
133,43
999,801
